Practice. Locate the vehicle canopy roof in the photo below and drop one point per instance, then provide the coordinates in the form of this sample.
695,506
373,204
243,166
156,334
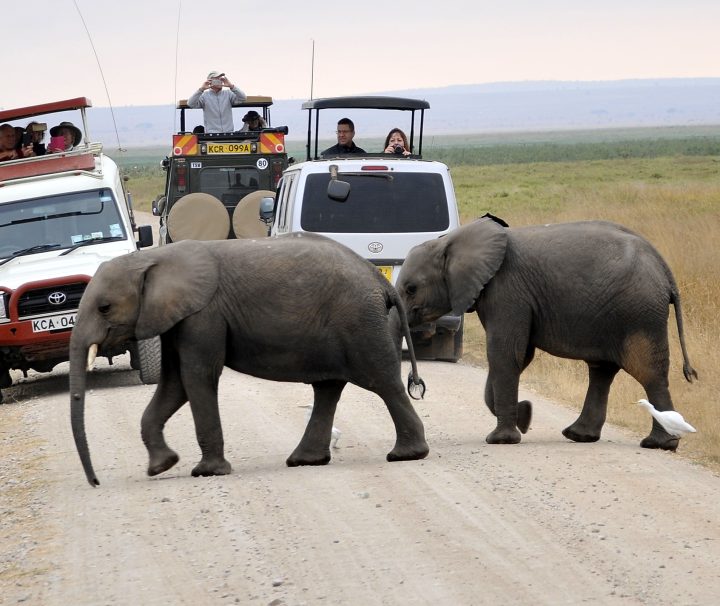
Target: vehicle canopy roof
364,102
45,108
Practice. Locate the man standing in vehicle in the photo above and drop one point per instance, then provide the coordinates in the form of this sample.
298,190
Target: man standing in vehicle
217,102
345,144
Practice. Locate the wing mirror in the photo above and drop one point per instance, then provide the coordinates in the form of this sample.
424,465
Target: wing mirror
337,190
267,210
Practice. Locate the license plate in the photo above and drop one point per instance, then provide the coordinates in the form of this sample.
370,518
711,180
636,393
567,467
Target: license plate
54,323
229,148
386,270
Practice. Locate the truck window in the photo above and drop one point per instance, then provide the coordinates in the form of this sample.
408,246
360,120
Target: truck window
59,221
229,184
378,203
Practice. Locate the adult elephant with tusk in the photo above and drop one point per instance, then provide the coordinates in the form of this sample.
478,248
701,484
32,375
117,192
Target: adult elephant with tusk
297,308
591,290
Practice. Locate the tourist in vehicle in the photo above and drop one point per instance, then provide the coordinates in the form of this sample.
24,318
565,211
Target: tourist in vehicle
8,145
216,97
71,137
252,121
345,144
37,135
397,143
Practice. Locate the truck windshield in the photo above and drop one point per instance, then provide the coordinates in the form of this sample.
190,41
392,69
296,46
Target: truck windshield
58,222
378,203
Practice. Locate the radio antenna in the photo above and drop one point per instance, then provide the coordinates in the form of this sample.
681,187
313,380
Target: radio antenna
312,68
107,92
177,46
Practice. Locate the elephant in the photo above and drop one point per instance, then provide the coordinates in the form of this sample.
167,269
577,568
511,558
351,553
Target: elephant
298,308
589,290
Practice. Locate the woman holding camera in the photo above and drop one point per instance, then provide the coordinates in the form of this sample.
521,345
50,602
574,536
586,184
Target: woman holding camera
397,143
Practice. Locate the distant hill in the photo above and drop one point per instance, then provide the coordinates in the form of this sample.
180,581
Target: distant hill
478,108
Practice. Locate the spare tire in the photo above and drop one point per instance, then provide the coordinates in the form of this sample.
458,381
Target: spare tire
246,218
198,216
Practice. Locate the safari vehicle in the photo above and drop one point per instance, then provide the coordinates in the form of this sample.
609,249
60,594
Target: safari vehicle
61,216
380,205
215,181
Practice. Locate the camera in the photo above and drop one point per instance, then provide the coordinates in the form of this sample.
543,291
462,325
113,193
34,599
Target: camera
216,82
27,139
398,149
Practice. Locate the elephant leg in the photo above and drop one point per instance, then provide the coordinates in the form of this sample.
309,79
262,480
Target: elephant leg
504,389
169,397
410,443
589,424
524,408
659,394
314,447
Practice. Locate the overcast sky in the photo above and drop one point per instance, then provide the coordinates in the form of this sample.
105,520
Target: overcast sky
153,52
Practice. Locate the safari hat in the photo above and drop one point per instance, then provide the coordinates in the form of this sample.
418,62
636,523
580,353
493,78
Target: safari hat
251,115
77,135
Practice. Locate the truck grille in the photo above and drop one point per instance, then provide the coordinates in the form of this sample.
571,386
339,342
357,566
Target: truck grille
37,301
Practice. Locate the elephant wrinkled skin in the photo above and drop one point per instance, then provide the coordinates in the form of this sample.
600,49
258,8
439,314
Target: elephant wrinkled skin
299,308
591,290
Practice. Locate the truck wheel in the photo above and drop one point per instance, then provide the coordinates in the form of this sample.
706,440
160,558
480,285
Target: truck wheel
146,357
198,216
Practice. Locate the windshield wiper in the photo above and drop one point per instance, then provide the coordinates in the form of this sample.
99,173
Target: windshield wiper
91,241
29,251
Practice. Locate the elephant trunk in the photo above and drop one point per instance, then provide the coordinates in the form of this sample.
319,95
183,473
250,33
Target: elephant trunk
79,359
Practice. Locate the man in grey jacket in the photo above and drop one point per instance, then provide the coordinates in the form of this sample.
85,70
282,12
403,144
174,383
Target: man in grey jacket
216,96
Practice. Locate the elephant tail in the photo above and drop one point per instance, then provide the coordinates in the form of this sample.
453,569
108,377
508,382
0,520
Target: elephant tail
689,372
416,386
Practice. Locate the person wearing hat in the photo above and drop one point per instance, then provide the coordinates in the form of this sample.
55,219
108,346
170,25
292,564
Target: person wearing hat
216,97
69,132
253,121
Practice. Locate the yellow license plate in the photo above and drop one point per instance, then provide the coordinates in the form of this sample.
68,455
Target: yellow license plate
229,148
386,270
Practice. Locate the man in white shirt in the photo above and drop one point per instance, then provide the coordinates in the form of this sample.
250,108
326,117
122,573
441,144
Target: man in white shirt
216,102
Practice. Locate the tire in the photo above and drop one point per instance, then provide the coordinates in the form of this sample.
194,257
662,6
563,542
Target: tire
146,357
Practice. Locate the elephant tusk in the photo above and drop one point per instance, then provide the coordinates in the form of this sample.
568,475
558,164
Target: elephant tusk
92,352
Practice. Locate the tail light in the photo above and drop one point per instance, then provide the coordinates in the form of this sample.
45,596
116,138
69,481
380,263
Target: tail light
181,177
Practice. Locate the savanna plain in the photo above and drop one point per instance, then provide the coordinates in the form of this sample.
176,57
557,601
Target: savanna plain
663,183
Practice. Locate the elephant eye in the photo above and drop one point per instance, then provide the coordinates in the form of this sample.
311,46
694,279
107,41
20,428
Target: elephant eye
411,289
103,309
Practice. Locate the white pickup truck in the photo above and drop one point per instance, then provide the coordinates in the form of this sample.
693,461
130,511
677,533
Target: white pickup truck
61,215
380,205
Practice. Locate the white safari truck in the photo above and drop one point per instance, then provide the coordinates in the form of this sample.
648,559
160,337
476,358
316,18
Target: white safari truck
378,204
61,215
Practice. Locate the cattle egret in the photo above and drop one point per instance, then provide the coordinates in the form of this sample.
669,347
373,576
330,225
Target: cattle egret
671,421
336,433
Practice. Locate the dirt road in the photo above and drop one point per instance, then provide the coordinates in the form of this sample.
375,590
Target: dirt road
544,522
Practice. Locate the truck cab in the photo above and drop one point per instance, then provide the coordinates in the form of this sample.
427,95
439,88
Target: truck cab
61,215
378,204
215,181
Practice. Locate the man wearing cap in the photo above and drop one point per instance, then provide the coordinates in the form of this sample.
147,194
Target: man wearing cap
217,102
252,121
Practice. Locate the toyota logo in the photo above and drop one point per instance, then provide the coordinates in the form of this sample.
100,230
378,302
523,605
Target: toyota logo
57,298
375,247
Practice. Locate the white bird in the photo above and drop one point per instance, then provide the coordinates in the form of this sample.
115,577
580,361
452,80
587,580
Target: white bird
671,420
336,433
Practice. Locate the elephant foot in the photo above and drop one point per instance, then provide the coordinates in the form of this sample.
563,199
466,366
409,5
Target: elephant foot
524,415
411,452
301,457
576,434
212,467
504,435
162,462
663,441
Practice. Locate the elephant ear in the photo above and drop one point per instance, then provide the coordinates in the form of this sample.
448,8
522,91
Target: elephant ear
473,254
181,281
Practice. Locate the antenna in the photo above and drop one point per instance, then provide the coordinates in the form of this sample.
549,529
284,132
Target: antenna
312,68
107,92
177,45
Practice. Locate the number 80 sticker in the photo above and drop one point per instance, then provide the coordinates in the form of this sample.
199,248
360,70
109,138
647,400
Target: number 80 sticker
262,163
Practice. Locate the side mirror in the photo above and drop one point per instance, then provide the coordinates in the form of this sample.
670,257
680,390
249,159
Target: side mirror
158,205
145,236
338,190
267,210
